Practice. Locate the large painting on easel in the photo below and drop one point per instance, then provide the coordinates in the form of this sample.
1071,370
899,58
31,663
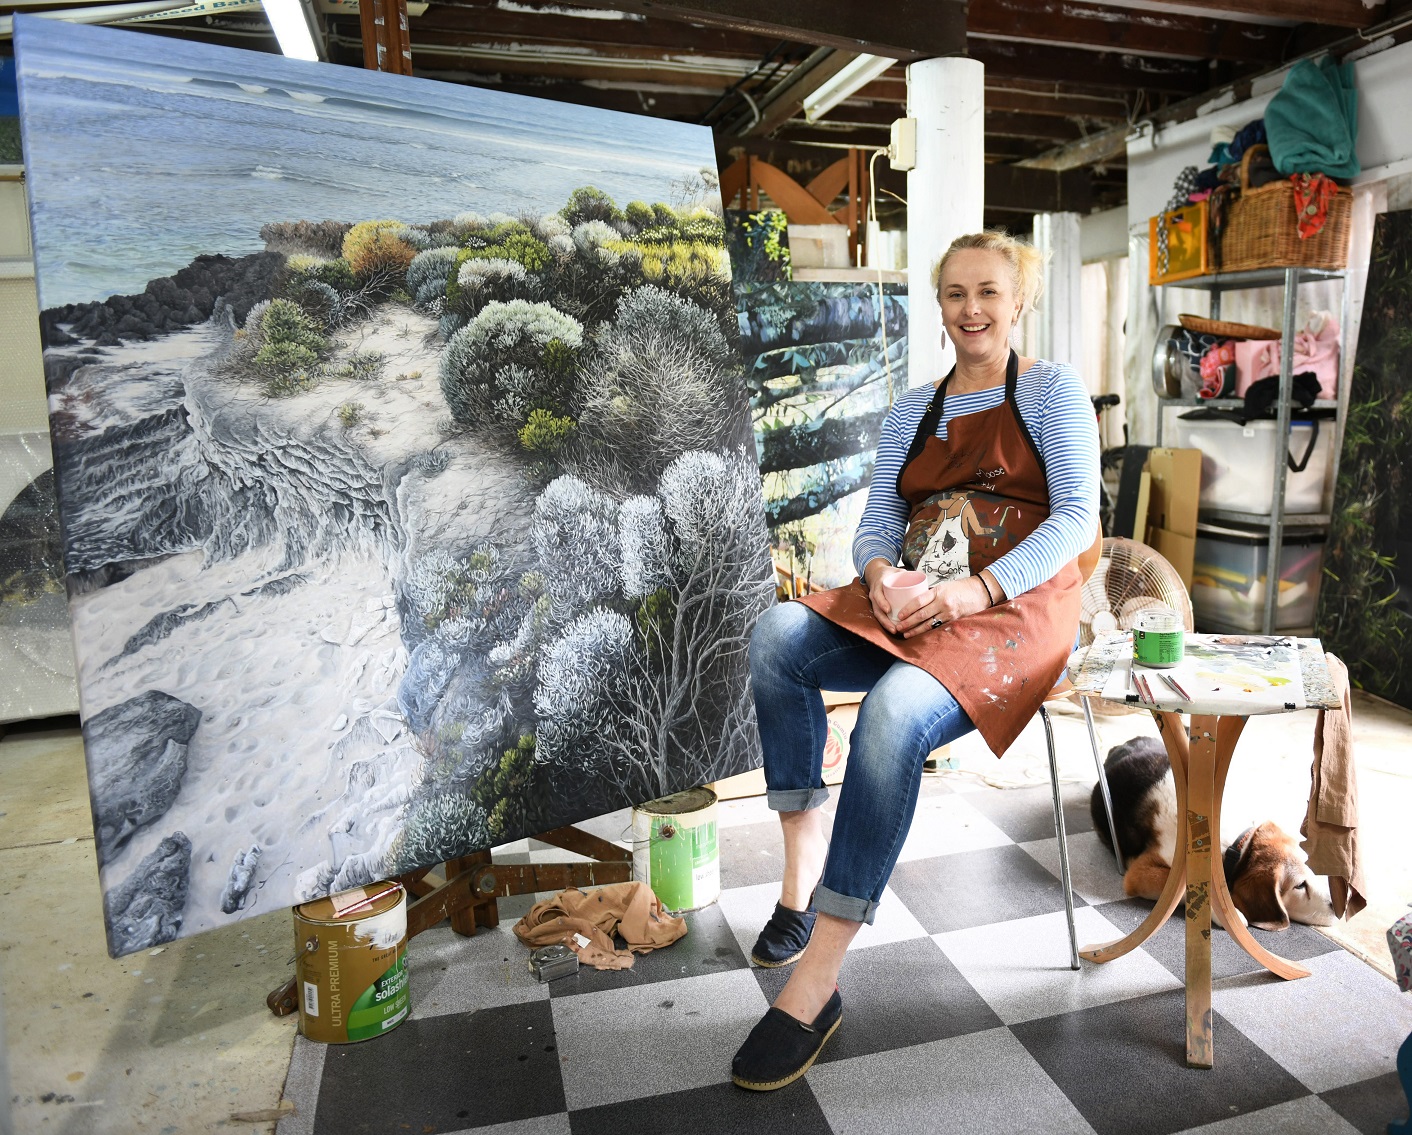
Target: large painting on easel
1365,603
404,464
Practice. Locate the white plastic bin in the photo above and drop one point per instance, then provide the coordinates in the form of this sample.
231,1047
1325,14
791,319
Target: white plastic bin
1238,463
1228,579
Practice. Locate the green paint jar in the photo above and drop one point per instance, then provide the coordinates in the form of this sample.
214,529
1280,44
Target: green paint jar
1159,640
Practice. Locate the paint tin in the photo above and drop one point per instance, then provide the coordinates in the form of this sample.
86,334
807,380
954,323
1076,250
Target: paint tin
351,966
1159,640
675,850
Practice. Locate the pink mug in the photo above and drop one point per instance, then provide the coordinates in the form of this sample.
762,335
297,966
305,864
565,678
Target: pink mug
899,587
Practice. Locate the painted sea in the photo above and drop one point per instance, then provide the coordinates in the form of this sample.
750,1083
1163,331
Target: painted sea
183,156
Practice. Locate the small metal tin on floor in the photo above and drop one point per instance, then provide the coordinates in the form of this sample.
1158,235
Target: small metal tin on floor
550,962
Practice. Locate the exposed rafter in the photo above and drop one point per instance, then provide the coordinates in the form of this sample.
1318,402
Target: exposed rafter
1093,150
1005,58
912,29
1125,30
1339,13
1015,189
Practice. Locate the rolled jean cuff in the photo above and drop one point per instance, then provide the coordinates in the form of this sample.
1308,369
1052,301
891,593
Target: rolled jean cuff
844,906
796,799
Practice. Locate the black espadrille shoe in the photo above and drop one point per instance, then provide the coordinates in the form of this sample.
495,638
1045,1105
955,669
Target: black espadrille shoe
781,1048
784,937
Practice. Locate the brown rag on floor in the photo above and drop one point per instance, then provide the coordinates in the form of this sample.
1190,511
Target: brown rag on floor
629,908
1331,826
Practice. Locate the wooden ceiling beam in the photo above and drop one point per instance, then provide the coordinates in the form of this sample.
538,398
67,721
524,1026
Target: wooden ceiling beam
1096,149
1014,151
678,105
1013,189
639,67
1004,59
1125,30
1007,124
1056,104
1338,13
483,18
912,29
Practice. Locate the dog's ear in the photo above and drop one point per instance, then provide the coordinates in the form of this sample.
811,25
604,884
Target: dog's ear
1255,887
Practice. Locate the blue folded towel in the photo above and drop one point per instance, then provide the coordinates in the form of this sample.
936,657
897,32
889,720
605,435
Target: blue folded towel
1312,123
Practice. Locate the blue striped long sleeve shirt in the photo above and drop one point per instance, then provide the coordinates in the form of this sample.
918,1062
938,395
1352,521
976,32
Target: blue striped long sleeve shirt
1055,407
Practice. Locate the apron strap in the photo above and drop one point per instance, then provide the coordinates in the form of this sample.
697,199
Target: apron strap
926,427
1012,378
931,416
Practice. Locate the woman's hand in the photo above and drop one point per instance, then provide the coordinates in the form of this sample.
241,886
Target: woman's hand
950,599
873,571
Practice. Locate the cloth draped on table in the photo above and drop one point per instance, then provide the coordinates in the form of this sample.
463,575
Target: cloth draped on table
630,909
1331,826
1312,122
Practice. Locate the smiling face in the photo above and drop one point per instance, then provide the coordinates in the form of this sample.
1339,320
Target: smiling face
979,306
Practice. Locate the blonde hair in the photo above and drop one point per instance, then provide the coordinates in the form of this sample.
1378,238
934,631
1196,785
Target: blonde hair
1025,260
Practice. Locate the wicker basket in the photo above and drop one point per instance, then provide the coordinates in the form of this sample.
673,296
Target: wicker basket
1225,328
1261,229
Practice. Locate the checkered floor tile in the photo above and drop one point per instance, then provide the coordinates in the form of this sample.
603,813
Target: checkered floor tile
960,1012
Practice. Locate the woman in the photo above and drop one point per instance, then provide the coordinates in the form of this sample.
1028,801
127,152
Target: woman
1002,455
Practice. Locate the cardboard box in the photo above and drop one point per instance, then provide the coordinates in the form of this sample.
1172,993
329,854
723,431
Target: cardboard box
1174,496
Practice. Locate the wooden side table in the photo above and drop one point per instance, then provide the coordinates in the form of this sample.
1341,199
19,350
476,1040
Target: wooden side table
1200,753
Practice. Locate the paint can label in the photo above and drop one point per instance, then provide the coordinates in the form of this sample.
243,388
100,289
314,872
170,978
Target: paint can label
382,1005
675,849
1159,640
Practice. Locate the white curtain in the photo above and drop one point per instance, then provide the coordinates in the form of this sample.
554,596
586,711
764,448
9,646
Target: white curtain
1104,290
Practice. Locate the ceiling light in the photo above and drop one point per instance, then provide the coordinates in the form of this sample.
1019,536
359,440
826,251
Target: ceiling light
291,26
855,75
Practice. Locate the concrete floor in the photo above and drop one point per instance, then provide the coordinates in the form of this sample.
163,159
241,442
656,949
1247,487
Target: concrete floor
179,1040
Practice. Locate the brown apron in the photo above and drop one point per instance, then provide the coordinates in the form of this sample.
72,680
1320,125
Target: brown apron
974,497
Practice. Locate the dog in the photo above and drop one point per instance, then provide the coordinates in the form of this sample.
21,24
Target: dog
1266,873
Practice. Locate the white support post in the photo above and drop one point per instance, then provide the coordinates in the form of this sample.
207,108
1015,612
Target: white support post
1060,313
945,192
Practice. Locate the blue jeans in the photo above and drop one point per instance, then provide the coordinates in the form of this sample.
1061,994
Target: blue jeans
794,654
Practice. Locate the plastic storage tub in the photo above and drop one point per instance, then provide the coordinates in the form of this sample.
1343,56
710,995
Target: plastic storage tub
1228,579
1238,463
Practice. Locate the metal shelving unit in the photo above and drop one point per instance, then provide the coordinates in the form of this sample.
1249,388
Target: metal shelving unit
1290,279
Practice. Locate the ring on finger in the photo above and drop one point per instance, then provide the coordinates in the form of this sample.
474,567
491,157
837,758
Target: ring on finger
936,622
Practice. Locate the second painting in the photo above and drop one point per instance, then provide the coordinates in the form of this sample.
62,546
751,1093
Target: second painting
824,360
404,464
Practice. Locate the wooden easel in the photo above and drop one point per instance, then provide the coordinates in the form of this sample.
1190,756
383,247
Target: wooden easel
748,177
466,890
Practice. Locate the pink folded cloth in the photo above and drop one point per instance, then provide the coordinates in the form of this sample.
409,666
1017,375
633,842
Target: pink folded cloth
1315,350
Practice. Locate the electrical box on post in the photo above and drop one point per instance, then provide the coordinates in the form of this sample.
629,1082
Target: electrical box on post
902,148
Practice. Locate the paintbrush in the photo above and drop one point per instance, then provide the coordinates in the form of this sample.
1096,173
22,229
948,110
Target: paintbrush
1175,688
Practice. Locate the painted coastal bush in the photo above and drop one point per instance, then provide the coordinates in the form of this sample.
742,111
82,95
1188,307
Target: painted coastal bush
404,464
823,362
